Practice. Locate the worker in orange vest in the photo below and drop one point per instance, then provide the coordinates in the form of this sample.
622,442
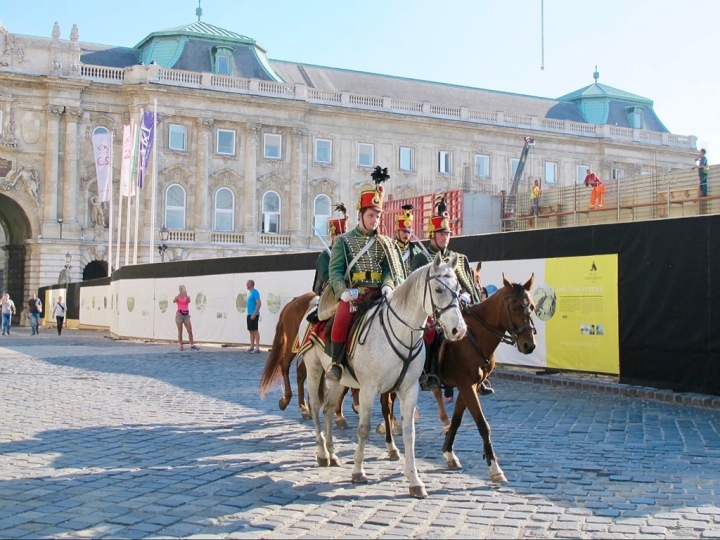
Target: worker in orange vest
598,189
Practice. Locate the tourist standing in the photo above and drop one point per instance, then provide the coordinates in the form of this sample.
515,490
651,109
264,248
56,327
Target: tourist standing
182,317
34,311
59,310
253,308
8,310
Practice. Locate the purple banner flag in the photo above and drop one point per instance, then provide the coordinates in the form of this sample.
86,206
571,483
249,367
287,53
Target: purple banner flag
147,132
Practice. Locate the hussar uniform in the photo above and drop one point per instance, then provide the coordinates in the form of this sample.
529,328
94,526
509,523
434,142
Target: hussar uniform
322,265
361,266
408,251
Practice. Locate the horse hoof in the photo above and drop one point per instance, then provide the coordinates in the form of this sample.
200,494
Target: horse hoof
355,409
283,403
335,462
498,478
394,455
454,464
305,413
341,423
380,429
397,429
418,492
359,478
323,461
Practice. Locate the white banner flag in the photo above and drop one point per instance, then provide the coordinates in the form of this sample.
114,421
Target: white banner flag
103,159
127,185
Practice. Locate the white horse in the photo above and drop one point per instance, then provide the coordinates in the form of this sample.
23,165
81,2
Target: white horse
388,357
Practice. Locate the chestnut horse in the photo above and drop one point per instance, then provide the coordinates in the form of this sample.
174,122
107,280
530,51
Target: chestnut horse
505,316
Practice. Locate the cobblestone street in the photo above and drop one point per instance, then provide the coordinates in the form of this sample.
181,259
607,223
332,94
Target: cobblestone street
126,439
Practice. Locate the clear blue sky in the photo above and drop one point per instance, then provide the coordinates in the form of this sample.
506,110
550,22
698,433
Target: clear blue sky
666,50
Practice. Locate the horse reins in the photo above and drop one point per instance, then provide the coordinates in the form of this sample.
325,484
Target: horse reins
506,336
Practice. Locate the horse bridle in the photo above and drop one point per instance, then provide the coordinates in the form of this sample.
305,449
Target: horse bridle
507,336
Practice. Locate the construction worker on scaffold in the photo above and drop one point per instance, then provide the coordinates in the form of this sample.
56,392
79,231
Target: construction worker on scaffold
363,265
403,235
439,232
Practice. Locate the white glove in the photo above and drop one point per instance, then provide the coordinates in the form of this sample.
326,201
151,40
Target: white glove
346,296
465,297
387,291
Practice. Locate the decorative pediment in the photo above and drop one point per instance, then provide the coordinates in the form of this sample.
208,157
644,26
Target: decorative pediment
224,178
325,186
273,181
405,191
177,174
98,120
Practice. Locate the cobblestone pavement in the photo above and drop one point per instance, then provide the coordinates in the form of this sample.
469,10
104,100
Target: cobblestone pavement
123,439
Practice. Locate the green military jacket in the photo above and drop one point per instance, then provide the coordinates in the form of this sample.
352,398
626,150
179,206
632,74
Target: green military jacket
462,271
322,272
408,252
379,266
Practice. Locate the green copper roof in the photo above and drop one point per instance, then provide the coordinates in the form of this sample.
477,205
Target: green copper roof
598,90
200,29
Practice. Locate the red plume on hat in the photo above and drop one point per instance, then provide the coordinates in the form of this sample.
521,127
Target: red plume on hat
373,198
339,226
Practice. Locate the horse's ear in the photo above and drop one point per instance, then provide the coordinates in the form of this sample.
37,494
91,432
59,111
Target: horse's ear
437,261
507,283
528,285
453,261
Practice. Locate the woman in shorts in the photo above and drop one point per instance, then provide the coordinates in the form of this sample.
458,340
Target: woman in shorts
182,317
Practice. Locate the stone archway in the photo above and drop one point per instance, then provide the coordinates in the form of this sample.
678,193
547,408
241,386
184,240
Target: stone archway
95,270
16,229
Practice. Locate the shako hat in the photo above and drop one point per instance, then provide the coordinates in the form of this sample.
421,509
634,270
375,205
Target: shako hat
339,226
404,221
441,221
373,198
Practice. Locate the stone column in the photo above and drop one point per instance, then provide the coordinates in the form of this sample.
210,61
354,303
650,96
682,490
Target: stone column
202,223
51,228
296,208
71,227
250,224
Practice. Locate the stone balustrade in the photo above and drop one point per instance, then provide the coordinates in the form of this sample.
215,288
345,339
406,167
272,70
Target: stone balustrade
221,83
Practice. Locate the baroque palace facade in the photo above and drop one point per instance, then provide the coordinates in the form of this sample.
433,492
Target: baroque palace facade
253,152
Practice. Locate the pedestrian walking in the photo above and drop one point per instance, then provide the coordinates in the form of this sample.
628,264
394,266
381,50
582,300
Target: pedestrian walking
703,170
253,308
8,310
59,310
34,311
182,317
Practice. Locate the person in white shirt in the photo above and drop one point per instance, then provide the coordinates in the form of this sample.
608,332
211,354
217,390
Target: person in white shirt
59,310
8,310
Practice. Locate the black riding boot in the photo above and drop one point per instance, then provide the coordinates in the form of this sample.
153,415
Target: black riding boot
429,379
335,371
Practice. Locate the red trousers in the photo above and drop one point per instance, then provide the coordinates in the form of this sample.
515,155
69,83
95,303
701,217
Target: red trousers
344,317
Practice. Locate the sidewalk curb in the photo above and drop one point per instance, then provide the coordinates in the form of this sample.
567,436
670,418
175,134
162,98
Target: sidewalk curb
609,387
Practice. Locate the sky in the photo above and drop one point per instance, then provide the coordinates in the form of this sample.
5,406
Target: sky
665,50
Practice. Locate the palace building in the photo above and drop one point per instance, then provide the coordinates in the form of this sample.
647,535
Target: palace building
253,153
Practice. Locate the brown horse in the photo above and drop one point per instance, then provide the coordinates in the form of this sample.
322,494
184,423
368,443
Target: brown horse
281,356
505,316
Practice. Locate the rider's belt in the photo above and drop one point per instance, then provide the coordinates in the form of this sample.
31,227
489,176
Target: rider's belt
366,276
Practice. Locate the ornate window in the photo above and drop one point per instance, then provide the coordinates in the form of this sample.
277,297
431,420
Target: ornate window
272,146
482,166
323,151
444,162
100,129
514,164
222,60
177,137
406,159
581,173
224,210
550,172
366,155
322,210
271,213
225,142
175,207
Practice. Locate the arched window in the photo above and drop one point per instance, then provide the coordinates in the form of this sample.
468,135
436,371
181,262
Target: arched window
322,211
224,210
271,213
175,207
100,129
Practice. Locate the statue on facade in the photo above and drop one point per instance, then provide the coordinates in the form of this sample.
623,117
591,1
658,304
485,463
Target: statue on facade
97,215
25,177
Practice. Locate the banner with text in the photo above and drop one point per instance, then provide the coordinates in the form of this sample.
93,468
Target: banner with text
576,311
102,147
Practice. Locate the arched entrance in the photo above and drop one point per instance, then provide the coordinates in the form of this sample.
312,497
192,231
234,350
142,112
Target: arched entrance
14,231
95,270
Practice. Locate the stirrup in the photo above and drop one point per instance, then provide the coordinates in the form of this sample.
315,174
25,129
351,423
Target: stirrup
334,372
428,381
486,389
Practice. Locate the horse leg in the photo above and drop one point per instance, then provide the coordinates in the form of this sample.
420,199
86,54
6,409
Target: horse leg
316,384
301,376
355,400
340,420
441,409
408,402
473,404
367,396
335,391
452,460
387,402
287,388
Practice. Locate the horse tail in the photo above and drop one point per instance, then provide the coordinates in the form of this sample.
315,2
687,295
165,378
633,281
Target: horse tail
274,364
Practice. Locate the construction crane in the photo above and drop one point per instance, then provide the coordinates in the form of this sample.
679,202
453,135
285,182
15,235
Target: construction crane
511,196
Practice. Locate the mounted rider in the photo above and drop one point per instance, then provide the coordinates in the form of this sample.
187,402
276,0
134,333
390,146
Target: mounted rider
336,227
439,232
403,233
363,265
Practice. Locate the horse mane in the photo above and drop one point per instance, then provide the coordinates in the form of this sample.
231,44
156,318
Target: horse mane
403,291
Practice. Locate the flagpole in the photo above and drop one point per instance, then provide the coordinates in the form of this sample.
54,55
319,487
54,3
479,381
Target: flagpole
110,218
154,184
137,198
127,230
119,231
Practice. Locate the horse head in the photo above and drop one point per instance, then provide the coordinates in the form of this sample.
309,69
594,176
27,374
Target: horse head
520,306
444,291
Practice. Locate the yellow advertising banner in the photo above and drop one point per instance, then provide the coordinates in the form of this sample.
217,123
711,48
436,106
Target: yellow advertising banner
580,306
